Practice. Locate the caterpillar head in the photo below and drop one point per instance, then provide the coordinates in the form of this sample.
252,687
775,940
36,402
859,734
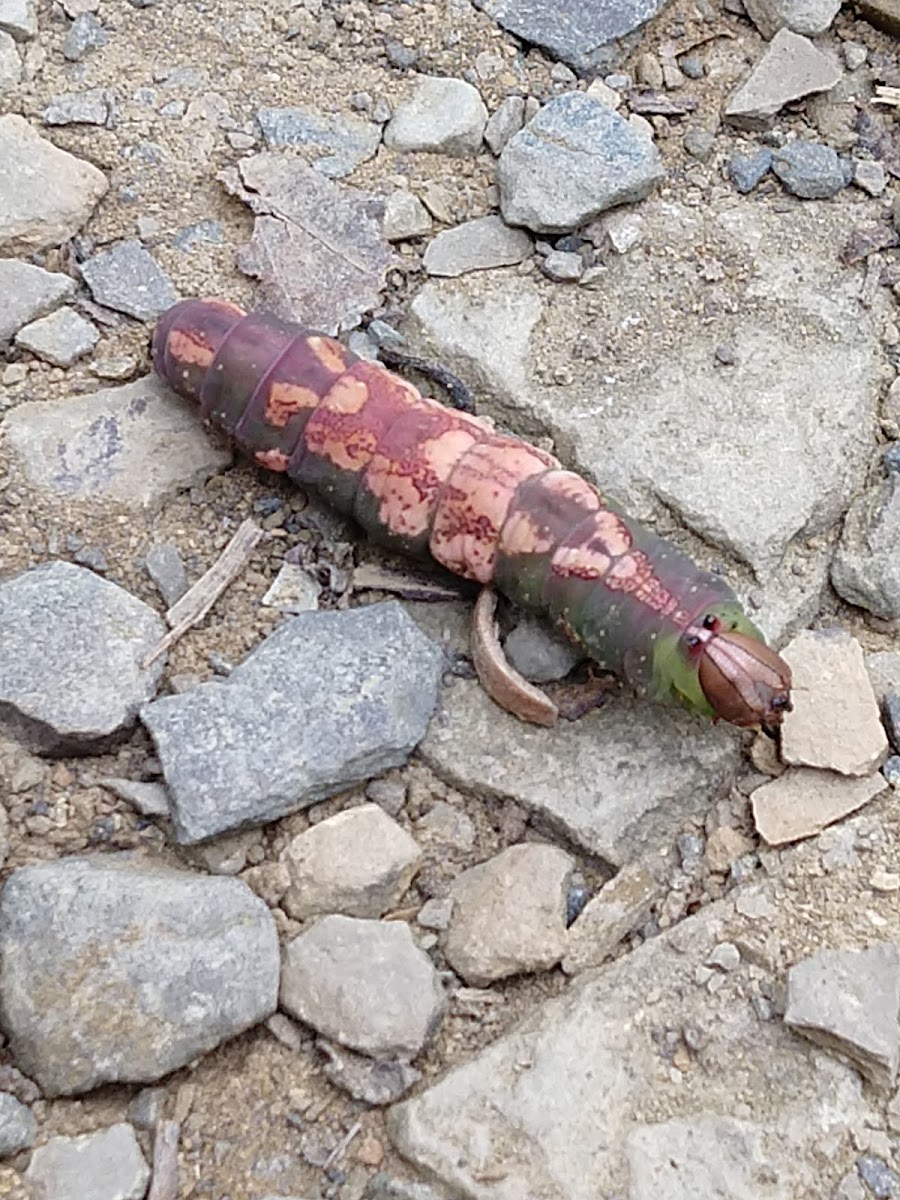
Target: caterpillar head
744,681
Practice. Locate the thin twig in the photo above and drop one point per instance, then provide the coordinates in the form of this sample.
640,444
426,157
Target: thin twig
342,1145
165,1162
196,603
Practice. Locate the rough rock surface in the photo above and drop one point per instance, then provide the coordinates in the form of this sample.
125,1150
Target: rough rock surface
27,293
476,245
133,445
364,984
358,862
804,801
115,970
614,782
278,745
446,116
792,67
509,914
106,1165
17,1125
46,195
81,682
621,905
594,157
866,567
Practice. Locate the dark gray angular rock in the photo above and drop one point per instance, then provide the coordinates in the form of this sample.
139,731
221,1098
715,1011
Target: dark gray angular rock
866,568
78,108
847,1000
364,984
106,1165
580,32
133,445
17,1125
809,170
28,292
71,646
117,970
128,279
85,33
746,170
346,141
573,160
166,569
328,700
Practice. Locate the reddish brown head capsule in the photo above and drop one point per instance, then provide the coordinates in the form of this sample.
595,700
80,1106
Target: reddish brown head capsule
744,681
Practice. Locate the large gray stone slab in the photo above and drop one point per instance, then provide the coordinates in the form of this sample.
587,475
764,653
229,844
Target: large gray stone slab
613,782
113,970
327,700
582,1100
71,646
134,445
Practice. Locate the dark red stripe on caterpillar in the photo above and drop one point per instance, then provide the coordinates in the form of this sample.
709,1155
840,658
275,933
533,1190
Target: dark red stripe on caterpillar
423,478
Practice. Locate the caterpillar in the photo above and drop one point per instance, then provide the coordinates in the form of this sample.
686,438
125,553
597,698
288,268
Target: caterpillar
422,478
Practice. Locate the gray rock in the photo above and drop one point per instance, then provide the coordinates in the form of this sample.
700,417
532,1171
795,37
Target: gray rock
373,1081
285,732
699,143
115,970
28,292
293,590
504,122
835,723
476,245
595,1051
878,1177
358,862
364,984
85,33
615,781
809,170
565,266
580,32
847,1000
147,1108
46,195
509,914
61,338
809,17
10,64
200,233
869,176
791,68
746,170
166,568
342,142
446,116
405,216
81,683
18,1128
386,1187
106,1165
128,279
622,905
574,159
78,108
18,18
866,567
149,799
540,653
133,445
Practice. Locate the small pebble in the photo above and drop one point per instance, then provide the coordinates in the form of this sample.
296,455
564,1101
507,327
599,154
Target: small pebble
746,170
878,1177
725,956
562,266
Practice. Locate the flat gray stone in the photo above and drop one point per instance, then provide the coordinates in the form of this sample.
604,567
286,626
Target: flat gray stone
847,1000
281,733
580,32
78,108
106,1165
508,119
342,142
573,160
405,216
509,914
560,1107
129,279
358,862
807,17
60,338
116,970
622,905
804,801
791,68
147,798
809,170
364,984
28,292
476,246
866,566
134,445
166,568
616,781
80,684
46,194
18,1127
84,34
634,428
443,115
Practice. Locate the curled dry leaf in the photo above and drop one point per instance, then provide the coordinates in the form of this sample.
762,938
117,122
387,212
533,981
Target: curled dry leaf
498,677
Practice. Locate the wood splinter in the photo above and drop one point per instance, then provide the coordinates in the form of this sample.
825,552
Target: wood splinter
498,676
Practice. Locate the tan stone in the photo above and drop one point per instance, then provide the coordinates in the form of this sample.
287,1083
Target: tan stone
803,801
